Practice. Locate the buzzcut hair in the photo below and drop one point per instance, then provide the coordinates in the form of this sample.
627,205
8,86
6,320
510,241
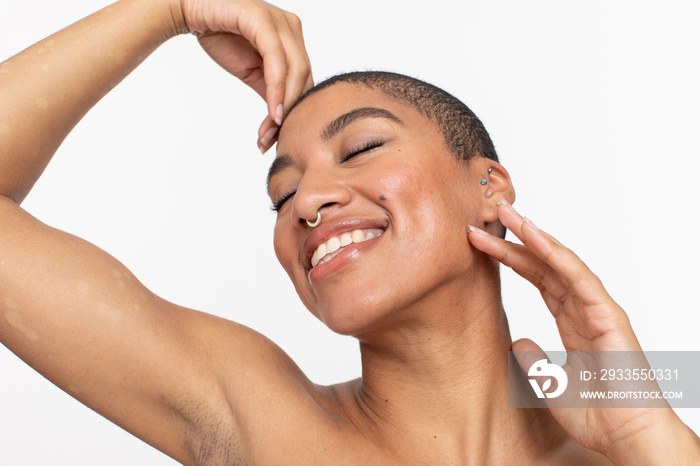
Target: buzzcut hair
464,134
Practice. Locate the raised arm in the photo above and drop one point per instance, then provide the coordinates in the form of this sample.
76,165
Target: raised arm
47,89
168,374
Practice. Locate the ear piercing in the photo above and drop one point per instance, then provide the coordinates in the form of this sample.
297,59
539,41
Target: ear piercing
483,180
318,220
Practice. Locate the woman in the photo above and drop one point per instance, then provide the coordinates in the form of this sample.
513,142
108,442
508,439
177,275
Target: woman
343,319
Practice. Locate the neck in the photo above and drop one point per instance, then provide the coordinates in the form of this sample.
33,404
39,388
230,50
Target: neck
442,376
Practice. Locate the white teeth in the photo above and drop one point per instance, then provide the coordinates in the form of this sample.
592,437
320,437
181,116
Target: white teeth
321,250
358,236
328,250
345,239
332,245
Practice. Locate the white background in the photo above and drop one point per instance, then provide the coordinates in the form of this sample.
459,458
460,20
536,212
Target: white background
593,109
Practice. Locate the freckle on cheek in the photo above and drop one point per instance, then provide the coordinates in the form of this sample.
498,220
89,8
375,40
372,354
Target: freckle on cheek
382,197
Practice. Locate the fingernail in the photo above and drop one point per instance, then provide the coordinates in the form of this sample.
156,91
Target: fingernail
508,206
267,137
279,113
529,222
477,230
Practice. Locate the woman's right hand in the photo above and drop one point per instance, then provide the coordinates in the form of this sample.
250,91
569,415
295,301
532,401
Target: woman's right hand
258,43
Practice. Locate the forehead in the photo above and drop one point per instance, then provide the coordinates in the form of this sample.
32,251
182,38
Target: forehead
307,121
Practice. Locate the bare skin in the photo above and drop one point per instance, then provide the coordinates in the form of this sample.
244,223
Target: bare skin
425,396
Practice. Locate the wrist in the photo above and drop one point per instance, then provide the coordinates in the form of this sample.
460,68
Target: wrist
165,17
177,13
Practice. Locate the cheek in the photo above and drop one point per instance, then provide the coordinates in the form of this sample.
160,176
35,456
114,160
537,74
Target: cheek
402,185
430,207
284,249
287,254
420,196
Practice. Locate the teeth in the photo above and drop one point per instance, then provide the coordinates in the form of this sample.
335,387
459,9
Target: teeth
345,239
358,236
333,246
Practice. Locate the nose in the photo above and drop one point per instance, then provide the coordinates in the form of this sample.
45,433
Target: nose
318,191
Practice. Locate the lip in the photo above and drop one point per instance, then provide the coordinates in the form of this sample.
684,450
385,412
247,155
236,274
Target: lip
351,252
325,231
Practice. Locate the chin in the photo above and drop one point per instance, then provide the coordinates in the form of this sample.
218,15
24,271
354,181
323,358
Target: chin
356,313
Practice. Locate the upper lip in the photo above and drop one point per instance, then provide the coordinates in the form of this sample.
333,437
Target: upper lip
328,230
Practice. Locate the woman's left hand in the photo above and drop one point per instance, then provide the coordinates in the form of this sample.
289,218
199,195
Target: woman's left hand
589,320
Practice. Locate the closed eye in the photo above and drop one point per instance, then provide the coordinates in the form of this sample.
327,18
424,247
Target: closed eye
277,205
364,147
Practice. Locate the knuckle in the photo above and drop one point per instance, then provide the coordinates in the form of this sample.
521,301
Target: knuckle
301,68
503,255
576,277
294,21
548,253
541,272
276,85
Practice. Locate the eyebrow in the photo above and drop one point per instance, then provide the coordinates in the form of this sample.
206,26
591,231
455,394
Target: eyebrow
346,119
331,130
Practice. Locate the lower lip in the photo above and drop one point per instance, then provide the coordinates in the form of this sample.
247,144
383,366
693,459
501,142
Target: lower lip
349,254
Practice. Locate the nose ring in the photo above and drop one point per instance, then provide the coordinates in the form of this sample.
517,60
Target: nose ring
318,220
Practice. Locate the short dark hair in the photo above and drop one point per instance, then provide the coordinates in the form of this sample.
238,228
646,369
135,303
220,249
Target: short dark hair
464,134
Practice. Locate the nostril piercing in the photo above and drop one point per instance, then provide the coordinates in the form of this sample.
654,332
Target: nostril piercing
318,220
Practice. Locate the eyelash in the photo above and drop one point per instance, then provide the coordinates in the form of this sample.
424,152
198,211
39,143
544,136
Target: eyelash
365,147
276,206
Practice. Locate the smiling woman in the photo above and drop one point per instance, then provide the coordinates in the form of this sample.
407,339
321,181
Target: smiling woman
385,234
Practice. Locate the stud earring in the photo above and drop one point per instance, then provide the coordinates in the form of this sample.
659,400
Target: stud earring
483,181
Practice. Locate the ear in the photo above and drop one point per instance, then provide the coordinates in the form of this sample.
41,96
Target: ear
497,186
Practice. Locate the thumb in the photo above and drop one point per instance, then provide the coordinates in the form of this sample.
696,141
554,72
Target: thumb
527,352
547,381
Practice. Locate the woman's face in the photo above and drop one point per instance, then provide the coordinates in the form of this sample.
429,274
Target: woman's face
377,166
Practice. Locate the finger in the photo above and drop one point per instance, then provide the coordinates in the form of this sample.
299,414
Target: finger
264,36
267,134
527,353
520,259
553,303
567,265
525,345
236,54
309,83
298,63
536,365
